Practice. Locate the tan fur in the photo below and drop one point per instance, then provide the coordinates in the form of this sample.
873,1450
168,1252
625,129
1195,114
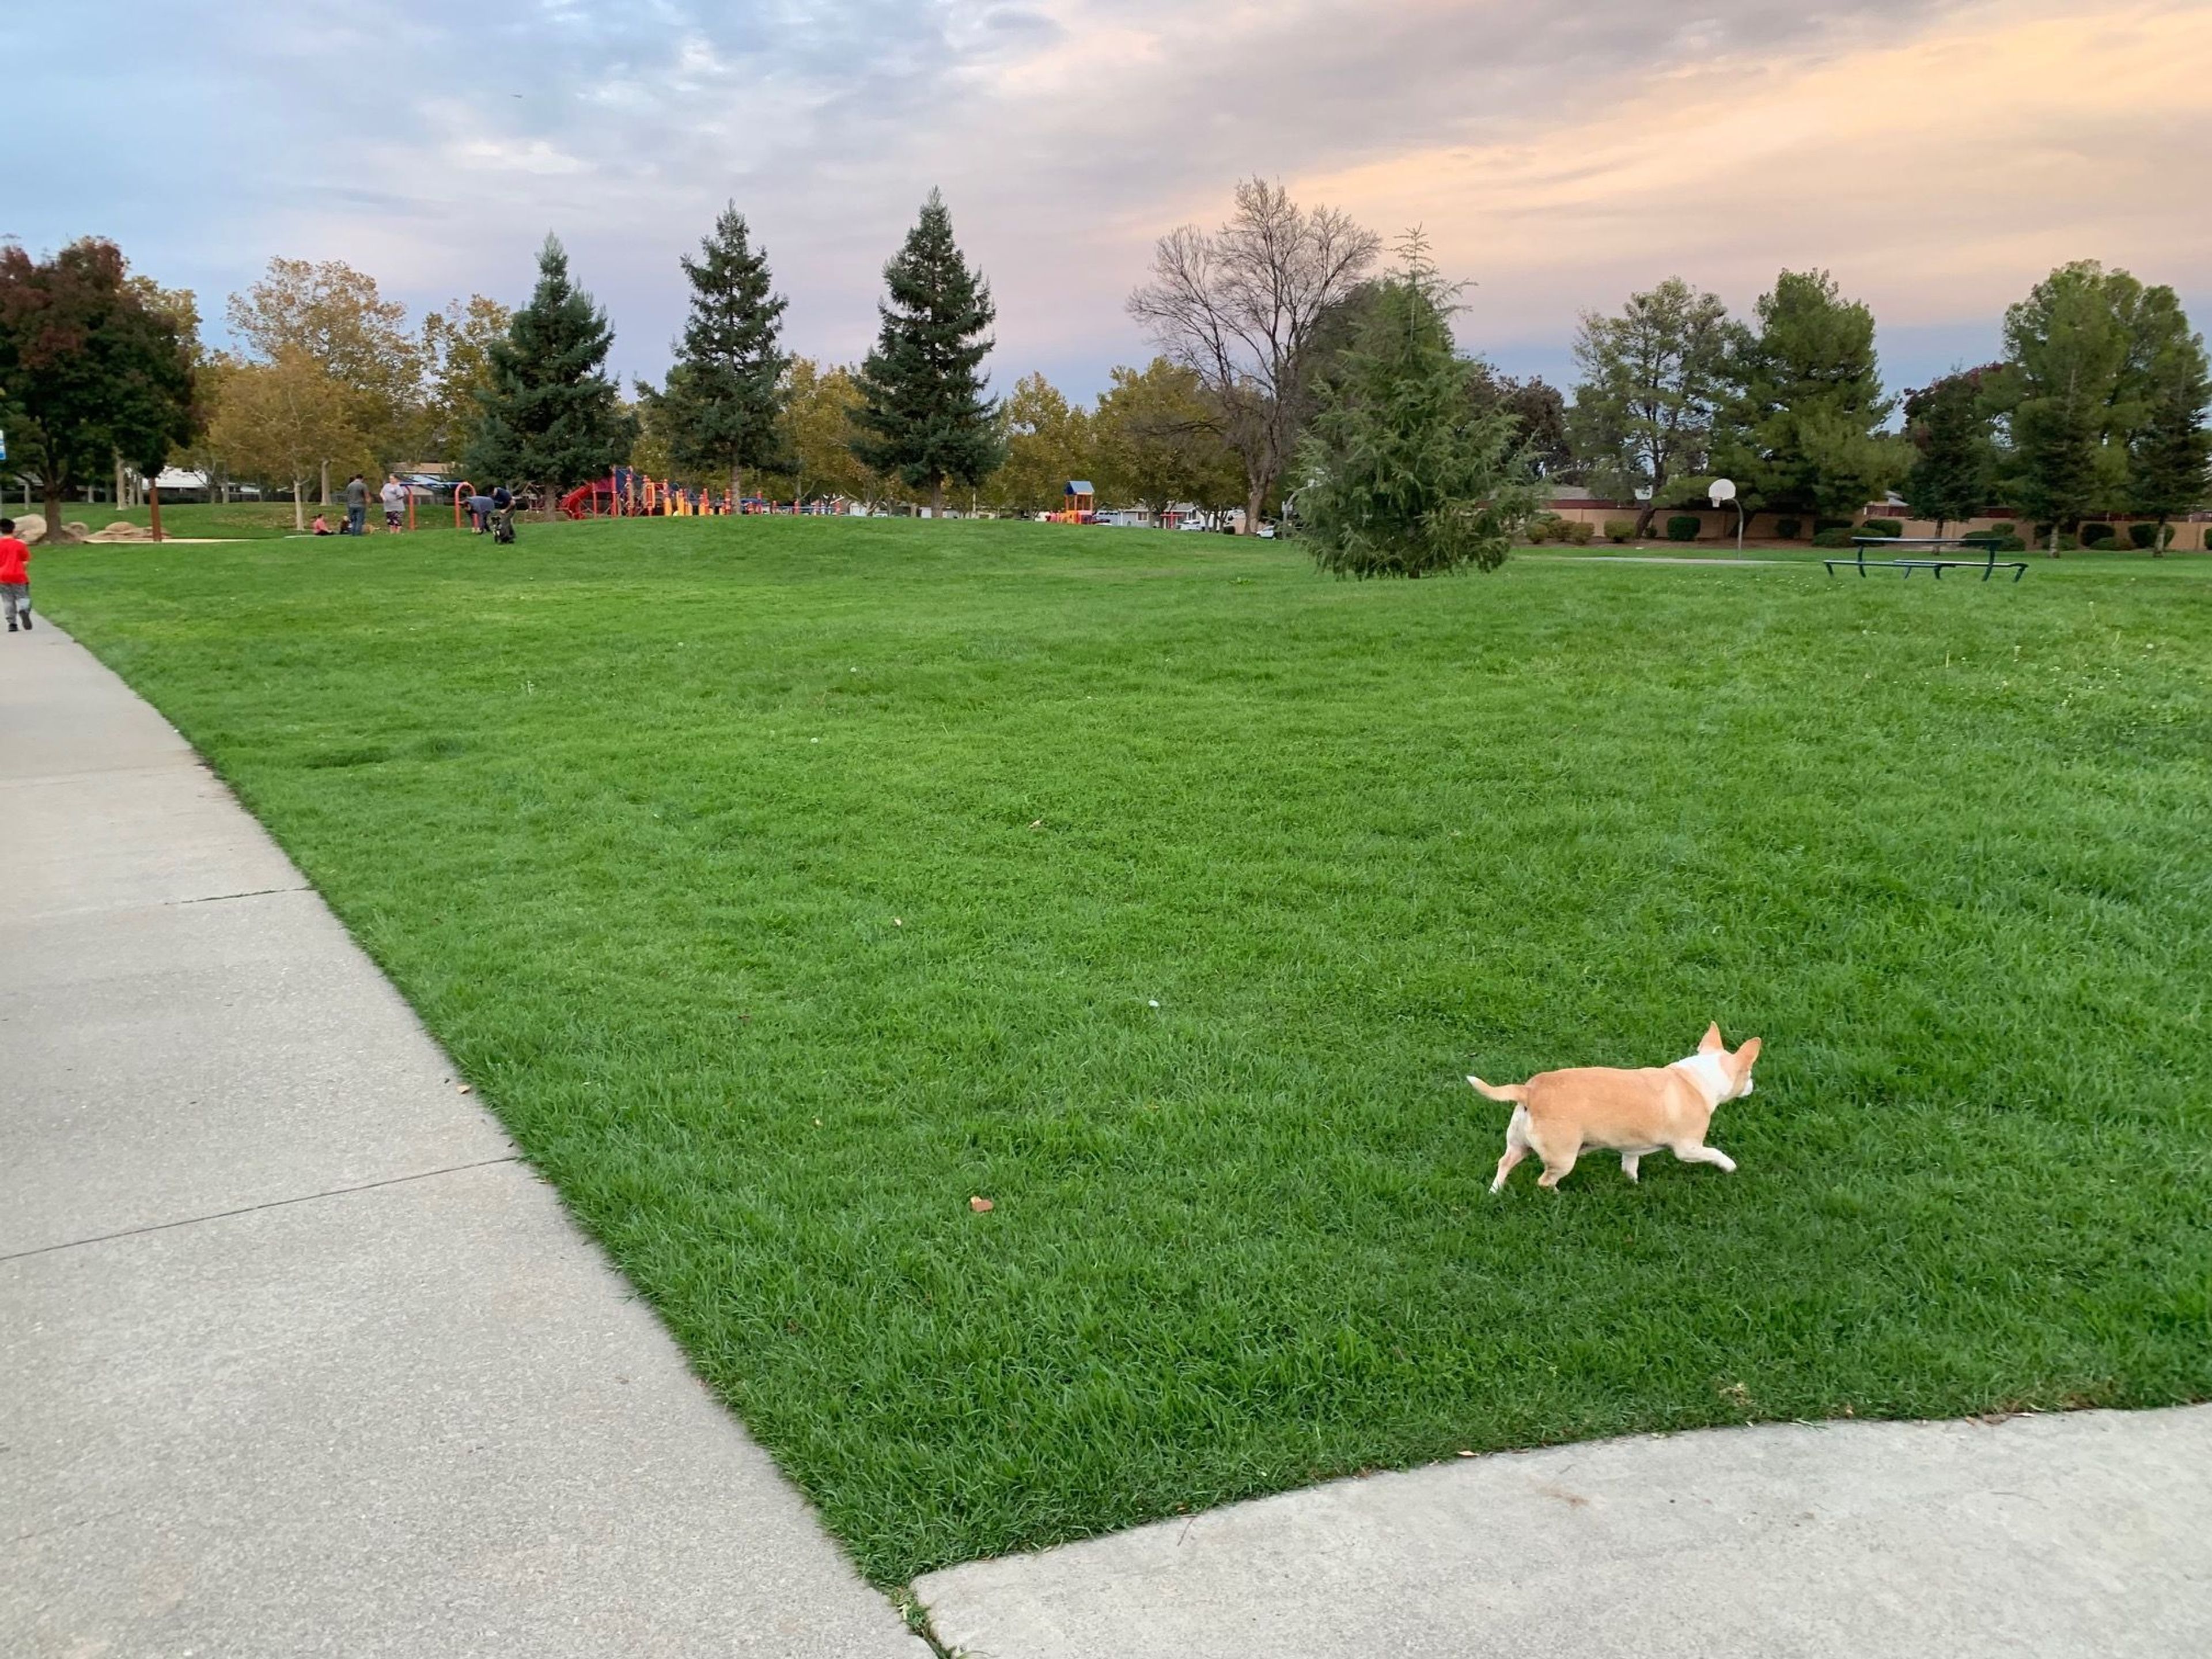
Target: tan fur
1558,1114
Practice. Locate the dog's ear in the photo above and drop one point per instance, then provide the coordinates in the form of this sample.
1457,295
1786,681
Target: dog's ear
1710,1043
1747,1056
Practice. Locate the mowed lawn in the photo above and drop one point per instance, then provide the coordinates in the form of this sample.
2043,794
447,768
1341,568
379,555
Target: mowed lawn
784,884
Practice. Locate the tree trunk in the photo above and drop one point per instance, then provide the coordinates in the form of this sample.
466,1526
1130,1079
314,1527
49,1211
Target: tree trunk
2053,545
2157,538
937,496
118,482
153,504
326,500
51,476
1255,497
1643,518
737,490
299,506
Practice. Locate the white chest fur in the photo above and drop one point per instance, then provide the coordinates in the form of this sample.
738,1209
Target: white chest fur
1710,1075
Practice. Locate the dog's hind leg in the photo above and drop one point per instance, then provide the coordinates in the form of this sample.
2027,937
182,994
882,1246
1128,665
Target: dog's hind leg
1516,1146
1558,1157
1628,1162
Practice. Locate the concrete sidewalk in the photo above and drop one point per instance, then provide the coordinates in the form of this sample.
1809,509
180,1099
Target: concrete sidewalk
295,1358
2079,1537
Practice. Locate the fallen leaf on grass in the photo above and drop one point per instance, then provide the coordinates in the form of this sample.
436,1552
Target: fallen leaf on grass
980,1205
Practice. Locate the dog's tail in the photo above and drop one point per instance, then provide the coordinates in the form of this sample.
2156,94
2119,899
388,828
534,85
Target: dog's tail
1516,1092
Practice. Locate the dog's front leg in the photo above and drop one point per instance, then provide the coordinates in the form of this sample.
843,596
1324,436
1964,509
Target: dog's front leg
1628,1164
1698,1154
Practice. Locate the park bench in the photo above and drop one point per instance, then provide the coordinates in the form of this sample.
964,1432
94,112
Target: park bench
1934,547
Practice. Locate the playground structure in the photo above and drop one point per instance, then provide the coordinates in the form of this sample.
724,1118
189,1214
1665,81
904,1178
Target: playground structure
626,493
1079,503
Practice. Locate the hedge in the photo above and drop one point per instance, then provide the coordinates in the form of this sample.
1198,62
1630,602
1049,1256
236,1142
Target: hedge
1684,527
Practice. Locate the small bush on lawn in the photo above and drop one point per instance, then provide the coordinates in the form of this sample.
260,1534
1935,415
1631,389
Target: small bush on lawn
1619,530
1683,527
1840,536
2096,535
1581,531
1882,527
1547,527
1787,529
2004,527
2146,535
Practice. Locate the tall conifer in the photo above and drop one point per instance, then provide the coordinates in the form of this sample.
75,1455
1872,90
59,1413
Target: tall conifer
551,416
1402,474
924,414
721,407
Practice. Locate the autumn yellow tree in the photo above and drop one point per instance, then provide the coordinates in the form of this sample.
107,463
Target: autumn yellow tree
1156,439
818,405
454,349
334,316
283,419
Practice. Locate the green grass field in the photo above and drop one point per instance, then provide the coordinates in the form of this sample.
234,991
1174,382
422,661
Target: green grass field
785,883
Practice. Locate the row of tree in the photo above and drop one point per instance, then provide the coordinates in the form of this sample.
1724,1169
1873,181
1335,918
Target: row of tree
1269,328
2098,409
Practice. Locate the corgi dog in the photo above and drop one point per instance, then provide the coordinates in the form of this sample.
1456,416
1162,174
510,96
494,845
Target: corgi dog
1557,1113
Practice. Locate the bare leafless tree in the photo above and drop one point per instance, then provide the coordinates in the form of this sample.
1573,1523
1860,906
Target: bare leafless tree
1239,307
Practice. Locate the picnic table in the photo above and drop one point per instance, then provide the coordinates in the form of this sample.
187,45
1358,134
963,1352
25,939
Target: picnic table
1935,547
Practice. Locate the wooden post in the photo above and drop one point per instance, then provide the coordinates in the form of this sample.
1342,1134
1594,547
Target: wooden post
153,504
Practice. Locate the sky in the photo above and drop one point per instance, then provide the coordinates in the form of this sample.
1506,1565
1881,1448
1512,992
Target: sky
1939,158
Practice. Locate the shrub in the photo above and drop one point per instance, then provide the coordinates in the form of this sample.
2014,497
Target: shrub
1835,535
2012,545
2004,527
1619,530
1788,528
2096,534
1547,527
1581,531
1818,525
1684,527
2144,535
1882,527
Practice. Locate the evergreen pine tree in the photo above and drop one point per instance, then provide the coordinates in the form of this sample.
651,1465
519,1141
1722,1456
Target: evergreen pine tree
1802,432
1949,425
720,411
2170,451
924,414
1403,473
2067,351
550,414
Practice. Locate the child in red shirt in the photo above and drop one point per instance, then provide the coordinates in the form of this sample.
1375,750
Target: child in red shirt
15,576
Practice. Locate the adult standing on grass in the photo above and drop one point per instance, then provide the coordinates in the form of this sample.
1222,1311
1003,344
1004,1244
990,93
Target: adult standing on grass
15,576
395,501
356,506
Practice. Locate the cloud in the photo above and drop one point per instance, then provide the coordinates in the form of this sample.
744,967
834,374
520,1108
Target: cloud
1939,156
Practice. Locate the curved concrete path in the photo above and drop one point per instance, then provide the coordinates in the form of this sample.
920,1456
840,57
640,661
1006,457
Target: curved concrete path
2086,1536
295,1358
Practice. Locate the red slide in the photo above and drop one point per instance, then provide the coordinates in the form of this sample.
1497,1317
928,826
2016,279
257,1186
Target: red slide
577,503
